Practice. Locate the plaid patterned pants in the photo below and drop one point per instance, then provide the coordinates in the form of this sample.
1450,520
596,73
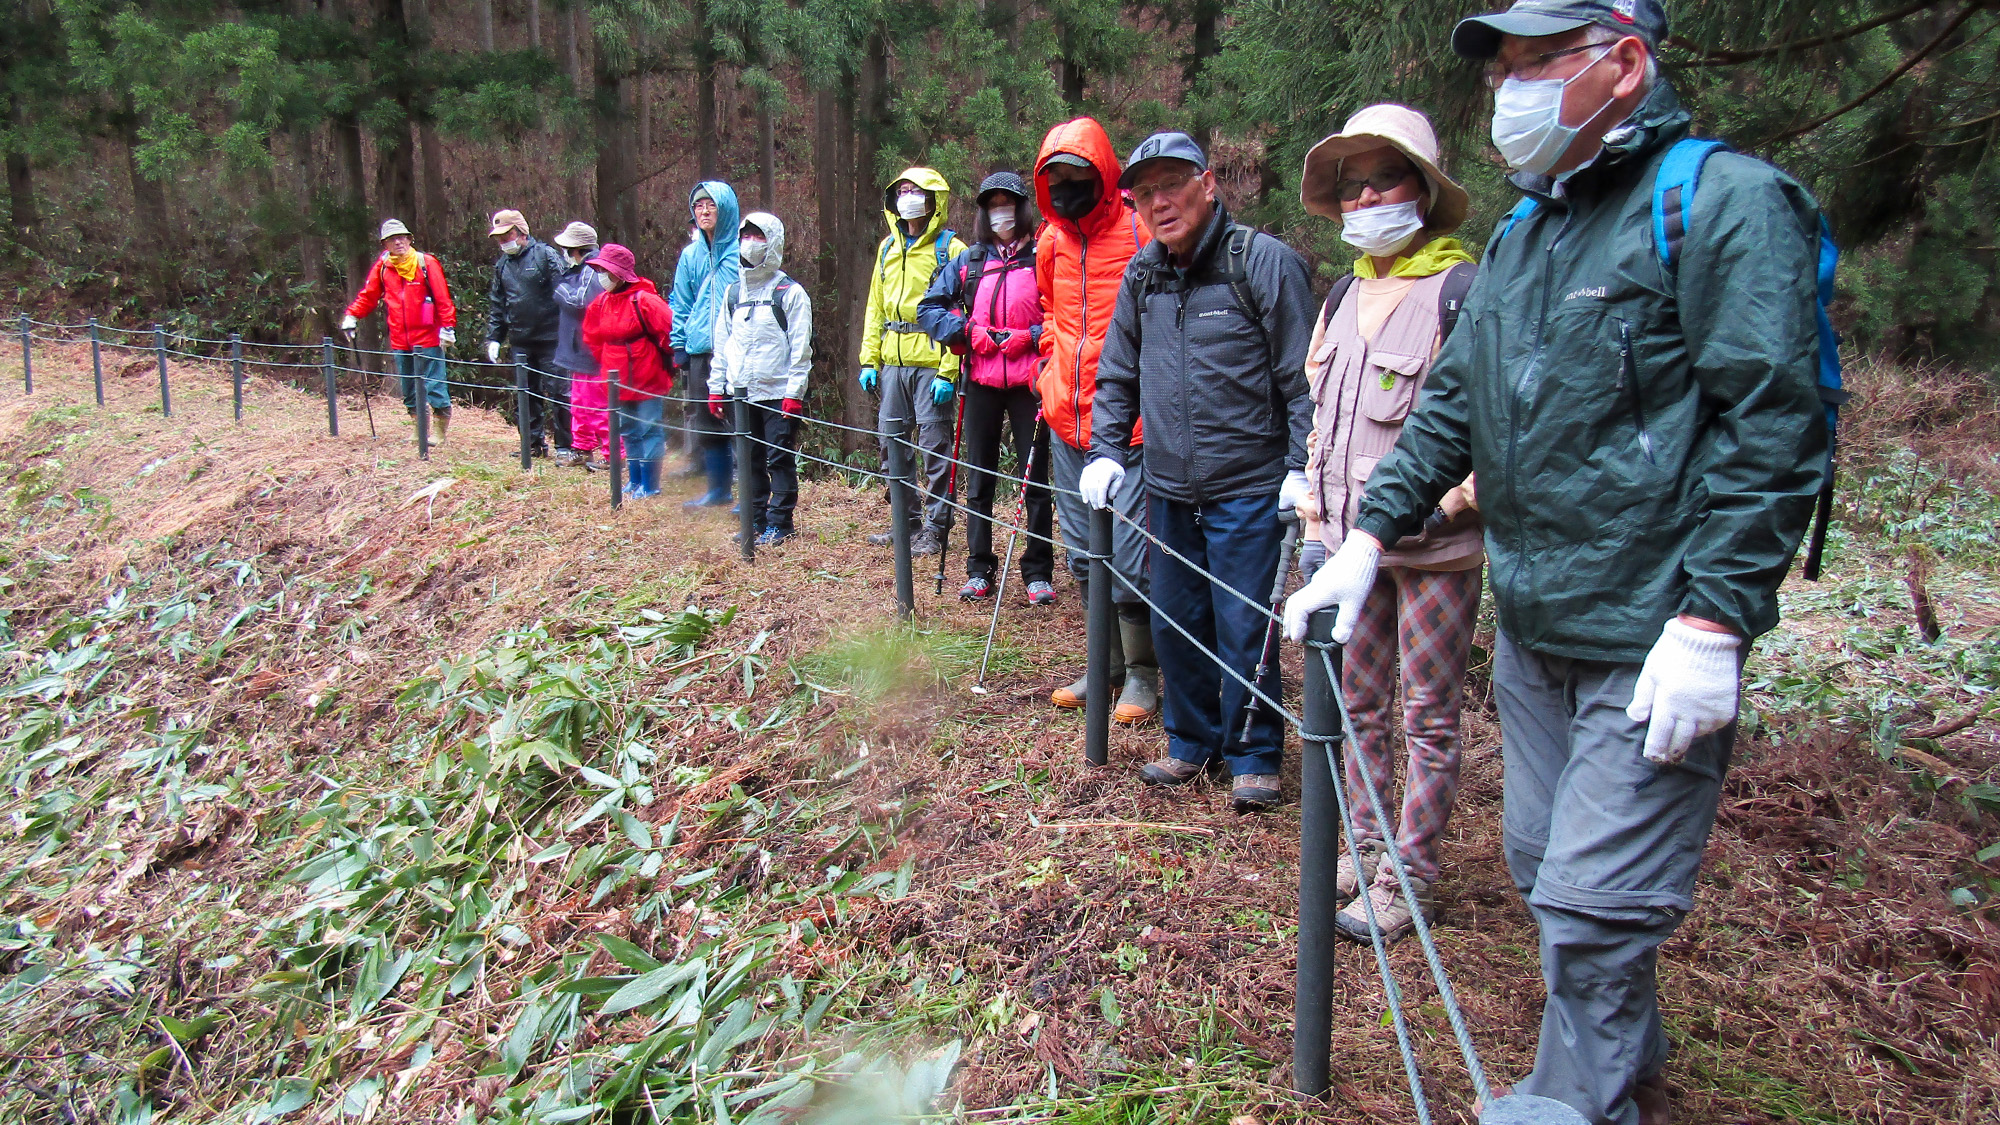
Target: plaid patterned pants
1430,614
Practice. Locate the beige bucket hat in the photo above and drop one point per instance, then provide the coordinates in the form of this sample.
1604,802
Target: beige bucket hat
504,221
390,229
1404,129
577,236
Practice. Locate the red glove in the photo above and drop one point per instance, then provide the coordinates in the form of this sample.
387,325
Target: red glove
1018,344
716,404
795,408
983,343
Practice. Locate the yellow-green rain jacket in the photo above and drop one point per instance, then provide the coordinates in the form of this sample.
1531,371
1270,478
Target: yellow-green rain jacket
903,269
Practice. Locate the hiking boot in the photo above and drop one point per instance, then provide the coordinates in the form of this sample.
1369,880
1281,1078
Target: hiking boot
1169,771
539,449
1256,792
1346,882
1140,700
925,542
1650,1095
1072,697
569,457
1392,913
591,461
772,537
1041,593
975,588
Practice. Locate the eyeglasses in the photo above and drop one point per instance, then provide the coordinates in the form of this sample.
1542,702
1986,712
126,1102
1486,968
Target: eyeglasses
1383,180
1172,185
1533,66
701,205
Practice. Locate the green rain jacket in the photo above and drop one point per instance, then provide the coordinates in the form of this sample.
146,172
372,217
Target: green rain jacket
1647,444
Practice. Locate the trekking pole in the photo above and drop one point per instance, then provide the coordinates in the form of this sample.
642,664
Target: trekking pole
367,391
1290,516
951,481
1020,517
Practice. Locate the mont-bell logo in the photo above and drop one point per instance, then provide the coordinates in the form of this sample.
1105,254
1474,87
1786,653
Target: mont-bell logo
1624,9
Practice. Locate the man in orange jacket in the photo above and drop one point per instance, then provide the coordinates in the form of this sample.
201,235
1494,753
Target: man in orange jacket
1080,259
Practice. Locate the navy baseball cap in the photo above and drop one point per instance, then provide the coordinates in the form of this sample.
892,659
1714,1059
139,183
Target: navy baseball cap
1478,37
1163,146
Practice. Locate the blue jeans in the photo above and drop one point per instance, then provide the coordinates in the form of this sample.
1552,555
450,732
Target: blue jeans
642,424
1237,541
425,365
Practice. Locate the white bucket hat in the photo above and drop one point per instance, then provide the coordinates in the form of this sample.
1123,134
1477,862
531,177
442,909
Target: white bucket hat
390,229
1399,127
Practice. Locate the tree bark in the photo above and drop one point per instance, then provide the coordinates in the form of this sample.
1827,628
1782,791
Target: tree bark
486,25
312,247
1072,82
396,160
573,60
357,241
864,224
149,198
710,154
1006,19
615,205
833,120
21,196
767,155
1207,44
435,207
535,24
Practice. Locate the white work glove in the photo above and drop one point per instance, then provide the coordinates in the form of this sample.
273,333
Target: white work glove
447,336
1687,688
348,323
1293,491
493,351
1344,581
1099,480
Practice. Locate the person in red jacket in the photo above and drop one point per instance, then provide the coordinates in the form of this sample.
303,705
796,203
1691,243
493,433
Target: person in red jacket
627,328
415,297
1079,265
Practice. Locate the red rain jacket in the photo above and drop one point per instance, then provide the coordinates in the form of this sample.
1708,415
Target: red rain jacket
627,330
403,303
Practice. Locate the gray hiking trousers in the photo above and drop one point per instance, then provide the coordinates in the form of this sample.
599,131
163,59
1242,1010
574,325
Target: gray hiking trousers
906,397
1604,847
1128,547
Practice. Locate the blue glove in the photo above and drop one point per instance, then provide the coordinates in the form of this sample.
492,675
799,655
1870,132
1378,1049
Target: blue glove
942,390
871,380
680,359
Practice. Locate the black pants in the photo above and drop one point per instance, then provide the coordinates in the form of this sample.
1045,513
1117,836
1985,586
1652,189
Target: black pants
548,394
773,469
705,431
985,410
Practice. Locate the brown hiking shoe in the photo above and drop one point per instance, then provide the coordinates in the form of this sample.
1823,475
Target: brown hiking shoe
1256,792
1169,771
1347,883
1391,912
1650,1095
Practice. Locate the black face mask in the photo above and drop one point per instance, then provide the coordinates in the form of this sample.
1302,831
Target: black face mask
1073,199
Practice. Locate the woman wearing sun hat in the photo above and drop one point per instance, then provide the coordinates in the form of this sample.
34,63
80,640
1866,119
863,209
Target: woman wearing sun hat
1379,179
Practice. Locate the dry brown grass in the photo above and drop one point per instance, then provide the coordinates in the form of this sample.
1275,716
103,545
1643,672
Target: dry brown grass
1824,975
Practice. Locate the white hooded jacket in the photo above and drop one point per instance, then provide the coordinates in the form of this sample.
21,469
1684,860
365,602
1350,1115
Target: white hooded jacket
753,356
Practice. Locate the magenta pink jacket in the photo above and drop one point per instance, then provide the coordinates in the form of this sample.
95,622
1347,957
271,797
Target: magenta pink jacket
1005,301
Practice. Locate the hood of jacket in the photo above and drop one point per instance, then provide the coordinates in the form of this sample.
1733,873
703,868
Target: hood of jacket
707,266
728,215
929,180
774,237
1086,138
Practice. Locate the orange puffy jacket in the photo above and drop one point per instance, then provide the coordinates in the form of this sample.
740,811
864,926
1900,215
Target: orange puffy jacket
1079,266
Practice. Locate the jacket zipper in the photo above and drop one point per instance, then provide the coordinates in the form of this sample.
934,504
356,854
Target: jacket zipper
1082,337
1628,373
1180,328
1514,393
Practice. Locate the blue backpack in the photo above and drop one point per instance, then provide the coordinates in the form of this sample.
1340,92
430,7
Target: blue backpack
1673,192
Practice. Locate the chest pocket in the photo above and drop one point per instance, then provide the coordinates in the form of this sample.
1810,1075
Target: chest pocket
1389,385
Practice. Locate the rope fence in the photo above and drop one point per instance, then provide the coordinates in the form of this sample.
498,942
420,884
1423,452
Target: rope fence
1324,727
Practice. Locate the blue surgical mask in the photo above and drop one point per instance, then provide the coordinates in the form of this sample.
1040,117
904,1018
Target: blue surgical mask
1527,120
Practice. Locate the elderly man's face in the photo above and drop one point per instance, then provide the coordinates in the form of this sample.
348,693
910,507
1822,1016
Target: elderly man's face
705,213
1598,76
397,245
1175,199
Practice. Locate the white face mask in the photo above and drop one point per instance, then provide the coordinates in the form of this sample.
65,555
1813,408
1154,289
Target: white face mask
1527,120
603,279
512,247
752,251
913,205
1002,218
1382,230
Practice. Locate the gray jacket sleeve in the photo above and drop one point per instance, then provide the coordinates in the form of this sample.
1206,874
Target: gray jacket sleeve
1114,407
1283,289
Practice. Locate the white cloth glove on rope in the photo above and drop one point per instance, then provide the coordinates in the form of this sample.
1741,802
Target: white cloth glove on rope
447,336
1344,582
1099,480
493,351
348,323
1293,491
1687,688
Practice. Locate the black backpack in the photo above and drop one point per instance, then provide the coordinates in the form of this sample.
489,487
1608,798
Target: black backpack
774,302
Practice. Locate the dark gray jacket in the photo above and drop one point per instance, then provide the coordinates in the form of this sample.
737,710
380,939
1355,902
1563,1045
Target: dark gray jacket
575,289
521,302
1221,388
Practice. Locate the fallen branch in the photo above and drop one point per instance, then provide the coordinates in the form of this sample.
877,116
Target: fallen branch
1188,829
1943,729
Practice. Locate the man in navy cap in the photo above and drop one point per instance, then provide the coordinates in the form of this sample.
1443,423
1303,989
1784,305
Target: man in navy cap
1637,393
1207,346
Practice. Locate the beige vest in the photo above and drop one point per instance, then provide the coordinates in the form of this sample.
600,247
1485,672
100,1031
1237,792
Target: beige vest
1362,392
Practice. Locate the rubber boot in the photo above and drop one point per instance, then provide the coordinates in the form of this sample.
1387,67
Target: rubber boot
1140,700
1073,696
440,426
635,480
717,460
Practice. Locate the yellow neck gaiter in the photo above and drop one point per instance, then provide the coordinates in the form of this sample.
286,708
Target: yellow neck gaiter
406,265
1435,256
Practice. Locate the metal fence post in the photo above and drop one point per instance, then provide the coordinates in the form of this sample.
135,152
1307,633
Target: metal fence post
160,348
1319,859
236,372
521,413
899,514
748,524
326,362
27,358
419,363
1099,623
96,362
614,443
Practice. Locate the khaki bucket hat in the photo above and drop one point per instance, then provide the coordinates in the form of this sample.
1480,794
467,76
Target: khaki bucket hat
504,221
577,236
1404,129
390,229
